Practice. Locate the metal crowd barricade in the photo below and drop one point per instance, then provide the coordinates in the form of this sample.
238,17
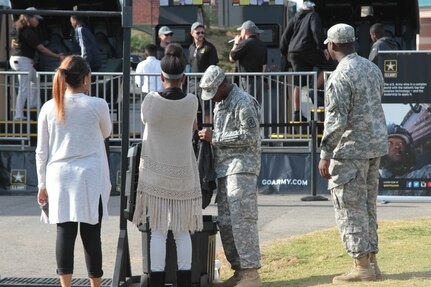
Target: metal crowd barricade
13,132
273,91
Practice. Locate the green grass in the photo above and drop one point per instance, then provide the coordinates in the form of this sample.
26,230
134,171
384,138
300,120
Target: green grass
315,258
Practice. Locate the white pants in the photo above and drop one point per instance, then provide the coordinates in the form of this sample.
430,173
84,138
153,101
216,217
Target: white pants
183,242
24,64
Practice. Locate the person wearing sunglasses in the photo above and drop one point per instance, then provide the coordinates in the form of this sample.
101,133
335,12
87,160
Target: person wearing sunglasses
202,54
165,38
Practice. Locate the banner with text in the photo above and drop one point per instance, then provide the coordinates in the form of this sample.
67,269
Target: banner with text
18,172
287,173
280,173
406,169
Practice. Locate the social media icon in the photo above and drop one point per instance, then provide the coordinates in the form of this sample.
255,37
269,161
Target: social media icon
408,184
416,184
429,183
423,184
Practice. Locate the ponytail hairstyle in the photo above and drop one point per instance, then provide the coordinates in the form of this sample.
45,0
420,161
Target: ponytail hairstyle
71,73
173,63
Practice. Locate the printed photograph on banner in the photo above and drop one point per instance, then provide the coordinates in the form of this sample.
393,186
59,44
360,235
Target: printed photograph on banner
406,169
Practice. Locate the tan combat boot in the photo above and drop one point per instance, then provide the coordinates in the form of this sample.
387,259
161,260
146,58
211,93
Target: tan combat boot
231,282
249,278
375,266
361,271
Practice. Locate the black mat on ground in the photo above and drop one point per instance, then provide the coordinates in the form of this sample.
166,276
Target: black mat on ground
47,282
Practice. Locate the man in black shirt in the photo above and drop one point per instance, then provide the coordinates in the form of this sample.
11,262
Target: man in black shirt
250,55
202,54
302,44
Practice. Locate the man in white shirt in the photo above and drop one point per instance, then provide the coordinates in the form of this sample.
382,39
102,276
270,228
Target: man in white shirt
149,65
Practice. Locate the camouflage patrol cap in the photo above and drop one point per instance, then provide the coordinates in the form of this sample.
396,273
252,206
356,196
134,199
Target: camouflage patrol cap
210,82
341,33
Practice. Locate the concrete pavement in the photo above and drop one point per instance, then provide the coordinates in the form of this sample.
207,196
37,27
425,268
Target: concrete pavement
27,247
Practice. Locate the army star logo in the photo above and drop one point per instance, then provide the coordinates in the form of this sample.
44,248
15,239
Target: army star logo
18,176
390,68
18,179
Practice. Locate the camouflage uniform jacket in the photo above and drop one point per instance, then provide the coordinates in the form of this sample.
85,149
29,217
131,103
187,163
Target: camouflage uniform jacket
236,136
355,126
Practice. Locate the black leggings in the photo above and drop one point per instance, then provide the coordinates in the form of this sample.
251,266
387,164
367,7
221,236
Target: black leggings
65,246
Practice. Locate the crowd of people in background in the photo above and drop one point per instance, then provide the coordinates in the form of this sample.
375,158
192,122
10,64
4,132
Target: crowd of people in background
72,164
301,47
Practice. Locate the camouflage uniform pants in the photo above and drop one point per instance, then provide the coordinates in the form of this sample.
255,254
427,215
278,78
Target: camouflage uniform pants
354,188
237,219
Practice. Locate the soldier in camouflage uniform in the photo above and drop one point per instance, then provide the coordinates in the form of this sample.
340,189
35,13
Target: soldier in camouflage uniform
354,139
236,145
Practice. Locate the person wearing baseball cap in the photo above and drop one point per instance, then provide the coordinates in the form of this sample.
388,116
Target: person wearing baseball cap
25,42
165,38
250,55
34,9
236,147
202,54
341,34
354,139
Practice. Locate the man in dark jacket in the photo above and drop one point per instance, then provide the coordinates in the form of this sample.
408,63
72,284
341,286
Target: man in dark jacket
380,42
87,43
302,44
202,53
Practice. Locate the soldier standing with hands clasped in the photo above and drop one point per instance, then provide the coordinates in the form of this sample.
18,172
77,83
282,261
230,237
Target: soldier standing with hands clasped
353,141
236,145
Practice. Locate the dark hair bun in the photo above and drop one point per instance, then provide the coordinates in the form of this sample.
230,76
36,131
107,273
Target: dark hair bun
174,50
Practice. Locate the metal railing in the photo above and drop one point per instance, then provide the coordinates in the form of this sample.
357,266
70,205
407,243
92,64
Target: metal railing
274,92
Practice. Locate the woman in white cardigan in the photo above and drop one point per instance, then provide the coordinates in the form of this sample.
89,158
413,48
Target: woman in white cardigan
72,166
169,194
